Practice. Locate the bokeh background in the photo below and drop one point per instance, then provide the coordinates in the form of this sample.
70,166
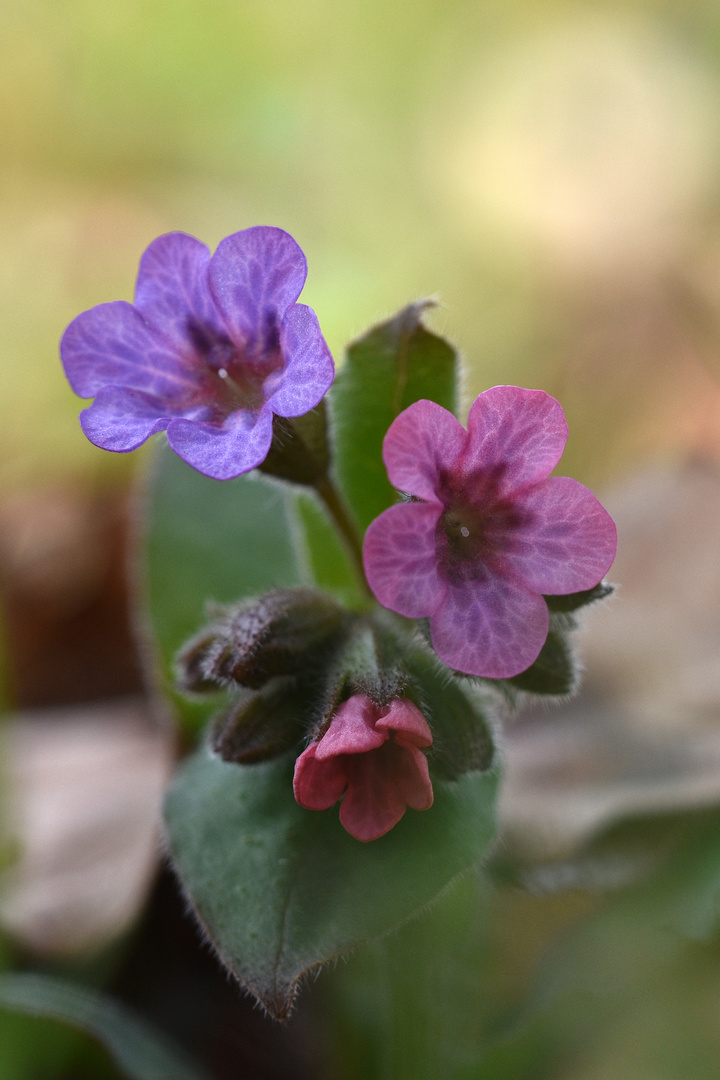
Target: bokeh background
550,171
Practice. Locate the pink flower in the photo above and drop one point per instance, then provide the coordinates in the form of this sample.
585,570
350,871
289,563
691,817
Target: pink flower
370,754
490,532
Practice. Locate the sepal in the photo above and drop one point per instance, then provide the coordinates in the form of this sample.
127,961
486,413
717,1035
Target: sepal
300,448
573,601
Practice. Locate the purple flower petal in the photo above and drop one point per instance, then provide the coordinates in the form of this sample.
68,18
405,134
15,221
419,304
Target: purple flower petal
421,443
223,452
400,559
318,785
112,345
172,290
570,541
121,419
491,628
523,431
309,369
352,730
255,276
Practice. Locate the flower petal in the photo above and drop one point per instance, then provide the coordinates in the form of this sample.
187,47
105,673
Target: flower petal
373,804
309,369
172,290
492,627
255,276
407,723
400,559
112,345
352,730
570,541
522,431
121,419
226,451
318,784
422,442
412,778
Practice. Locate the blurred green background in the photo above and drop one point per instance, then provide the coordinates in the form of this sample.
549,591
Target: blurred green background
550,170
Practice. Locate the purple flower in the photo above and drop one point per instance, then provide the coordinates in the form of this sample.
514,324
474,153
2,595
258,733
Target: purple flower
212,347
370,754
491,531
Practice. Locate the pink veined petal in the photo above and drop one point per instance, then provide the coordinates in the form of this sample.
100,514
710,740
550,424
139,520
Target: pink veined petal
407,723
112,345
400,559
122,420
318,785
569,542
493,627
255,276
373,804
422,442
520,431
226,451
309,369
172,290
412,778
352,730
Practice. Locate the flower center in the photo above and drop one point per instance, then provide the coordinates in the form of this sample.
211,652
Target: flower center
232,377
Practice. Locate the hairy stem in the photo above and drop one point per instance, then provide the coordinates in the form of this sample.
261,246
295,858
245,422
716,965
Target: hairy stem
345,525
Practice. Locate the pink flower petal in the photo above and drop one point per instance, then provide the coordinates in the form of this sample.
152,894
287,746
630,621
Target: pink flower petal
318,785
223,452
352,730
406,722
400,559
490,627
412,777
569,543
309,369
373,804
421,443
522,431
172,290
255,276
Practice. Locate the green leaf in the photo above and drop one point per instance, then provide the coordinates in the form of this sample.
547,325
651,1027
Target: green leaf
212,541
140,1052
393,365
573,601
281,890
554,670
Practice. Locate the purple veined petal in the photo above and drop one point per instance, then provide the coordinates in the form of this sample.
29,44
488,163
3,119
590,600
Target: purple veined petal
112,345
120,419
317,785
492,628
400,559
172,290
372,804
422,442
522,431
226,451
407,723
255,276
352,730
569,542
309,369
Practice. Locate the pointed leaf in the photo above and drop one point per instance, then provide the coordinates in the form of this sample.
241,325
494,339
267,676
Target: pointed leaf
393,365
281,890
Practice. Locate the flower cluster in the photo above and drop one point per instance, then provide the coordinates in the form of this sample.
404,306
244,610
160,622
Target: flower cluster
488,531
211,349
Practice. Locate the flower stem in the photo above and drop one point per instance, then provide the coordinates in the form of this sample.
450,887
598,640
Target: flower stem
345,525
